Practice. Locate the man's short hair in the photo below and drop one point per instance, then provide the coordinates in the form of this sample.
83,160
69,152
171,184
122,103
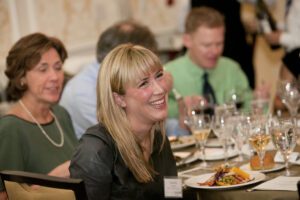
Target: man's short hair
203,16
125,32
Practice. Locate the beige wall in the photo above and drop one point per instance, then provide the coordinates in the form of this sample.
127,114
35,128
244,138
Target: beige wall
79,22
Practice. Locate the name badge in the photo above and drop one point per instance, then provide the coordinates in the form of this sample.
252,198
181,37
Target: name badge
173,187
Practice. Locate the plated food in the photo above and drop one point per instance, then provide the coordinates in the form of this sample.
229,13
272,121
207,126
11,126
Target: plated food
276,167
198,181
226,175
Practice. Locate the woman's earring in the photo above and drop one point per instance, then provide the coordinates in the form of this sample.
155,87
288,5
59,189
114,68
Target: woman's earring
22,82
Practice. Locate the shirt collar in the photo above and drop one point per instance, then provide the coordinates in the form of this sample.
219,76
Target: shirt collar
197,69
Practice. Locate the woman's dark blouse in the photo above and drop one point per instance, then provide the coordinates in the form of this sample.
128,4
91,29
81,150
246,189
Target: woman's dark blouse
98,162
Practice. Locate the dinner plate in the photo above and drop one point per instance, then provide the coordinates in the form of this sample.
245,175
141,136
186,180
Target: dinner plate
212,154
213,142
277,166
182,142
193,182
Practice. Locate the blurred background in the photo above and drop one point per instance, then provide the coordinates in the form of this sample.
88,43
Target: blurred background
78,23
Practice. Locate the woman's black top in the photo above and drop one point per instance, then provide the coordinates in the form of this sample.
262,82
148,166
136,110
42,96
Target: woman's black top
98,162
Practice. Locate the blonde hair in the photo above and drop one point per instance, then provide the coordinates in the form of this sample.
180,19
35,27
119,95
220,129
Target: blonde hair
123,65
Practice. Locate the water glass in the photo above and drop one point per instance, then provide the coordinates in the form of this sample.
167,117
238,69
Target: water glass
284,137
259,137
200,126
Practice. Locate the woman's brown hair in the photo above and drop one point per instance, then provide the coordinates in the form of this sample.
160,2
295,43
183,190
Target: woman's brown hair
24,55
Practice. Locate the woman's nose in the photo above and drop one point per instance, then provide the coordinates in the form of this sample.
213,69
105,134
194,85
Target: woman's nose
158,87
54,74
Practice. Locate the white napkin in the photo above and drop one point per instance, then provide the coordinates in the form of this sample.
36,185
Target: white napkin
293,157
280,183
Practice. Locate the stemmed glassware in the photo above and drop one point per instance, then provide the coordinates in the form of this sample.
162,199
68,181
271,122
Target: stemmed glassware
259,137
240,131
284,137
200,126
223,131
235,97
205,106
288,92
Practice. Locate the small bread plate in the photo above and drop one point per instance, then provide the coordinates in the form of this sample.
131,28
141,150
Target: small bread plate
213,142
182,142
212,154
194,181
277,167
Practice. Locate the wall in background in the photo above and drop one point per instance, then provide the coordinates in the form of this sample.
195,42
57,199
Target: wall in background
78,23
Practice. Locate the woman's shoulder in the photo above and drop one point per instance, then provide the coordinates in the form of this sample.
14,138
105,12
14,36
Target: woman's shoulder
10,126
100,134
9,121
58,109
95,144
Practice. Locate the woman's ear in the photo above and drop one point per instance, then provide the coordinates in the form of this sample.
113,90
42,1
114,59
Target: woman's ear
119,100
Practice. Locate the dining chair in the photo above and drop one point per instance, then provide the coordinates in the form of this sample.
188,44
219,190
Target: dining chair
298,187
75,185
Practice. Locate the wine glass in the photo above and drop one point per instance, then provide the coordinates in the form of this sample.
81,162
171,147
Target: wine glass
200,126
205,105
223,132
284,137
240,131
288,92
259,137
235,97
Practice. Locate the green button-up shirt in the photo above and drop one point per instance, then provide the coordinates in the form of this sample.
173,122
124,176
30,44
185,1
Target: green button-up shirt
227,75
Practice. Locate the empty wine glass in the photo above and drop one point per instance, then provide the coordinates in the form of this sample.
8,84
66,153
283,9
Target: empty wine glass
223,132
200,126
259,137
235,97
205,105
284,137
240,131
288,92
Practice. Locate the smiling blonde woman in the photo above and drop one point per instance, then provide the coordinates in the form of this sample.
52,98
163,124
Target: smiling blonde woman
127,154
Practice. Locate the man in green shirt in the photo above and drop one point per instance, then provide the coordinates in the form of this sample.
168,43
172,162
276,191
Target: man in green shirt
204,40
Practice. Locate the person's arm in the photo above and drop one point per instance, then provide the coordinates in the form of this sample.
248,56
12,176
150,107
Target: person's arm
285,74
61,170
273,38
93,162
3,195
13,150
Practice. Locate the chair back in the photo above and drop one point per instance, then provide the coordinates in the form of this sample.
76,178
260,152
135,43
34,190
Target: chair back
298,187
76,185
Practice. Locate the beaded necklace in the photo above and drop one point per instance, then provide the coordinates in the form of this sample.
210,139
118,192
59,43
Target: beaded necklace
41,128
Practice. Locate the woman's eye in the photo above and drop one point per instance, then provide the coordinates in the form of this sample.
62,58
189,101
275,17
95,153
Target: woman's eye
160,74
42,69
143,84
58,67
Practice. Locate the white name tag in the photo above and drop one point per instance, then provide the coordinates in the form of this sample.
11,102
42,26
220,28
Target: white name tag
173,187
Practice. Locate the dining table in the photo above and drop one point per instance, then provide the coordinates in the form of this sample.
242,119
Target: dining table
246,192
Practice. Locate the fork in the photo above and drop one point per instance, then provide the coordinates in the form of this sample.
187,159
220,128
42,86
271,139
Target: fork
183,161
